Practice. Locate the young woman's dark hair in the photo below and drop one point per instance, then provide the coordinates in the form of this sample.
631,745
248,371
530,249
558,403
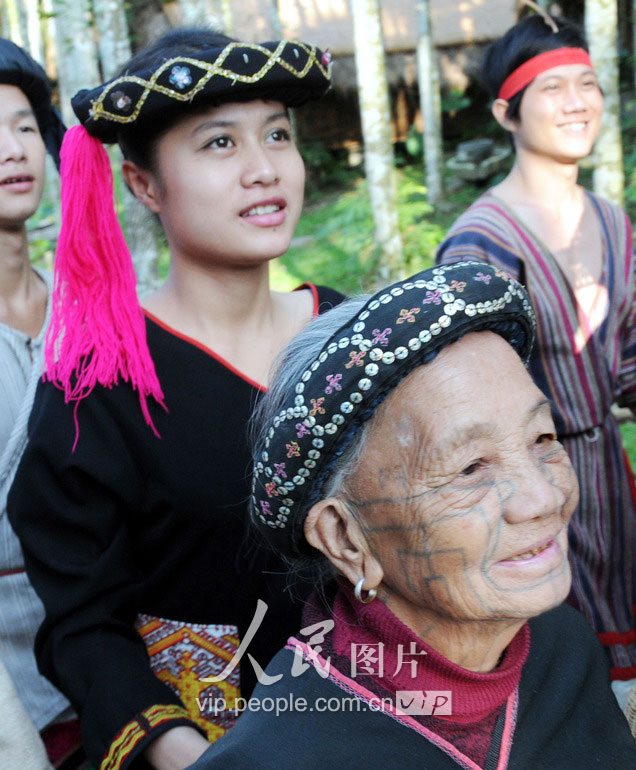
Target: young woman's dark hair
139,143
530,37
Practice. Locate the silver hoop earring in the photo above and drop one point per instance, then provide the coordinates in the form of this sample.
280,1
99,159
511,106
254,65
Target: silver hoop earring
371,593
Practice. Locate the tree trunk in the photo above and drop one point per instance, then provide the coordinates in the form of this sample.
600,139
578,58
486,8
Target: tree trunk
600,28
225,7
143,240
430,103
49,62
274,14
139,226
114,43
193,12
49,40
11,17
34,33
376,130
76,52
24,29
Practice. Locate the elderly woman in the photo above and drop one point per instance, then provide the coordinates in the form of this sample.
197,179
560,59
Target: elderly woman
406,452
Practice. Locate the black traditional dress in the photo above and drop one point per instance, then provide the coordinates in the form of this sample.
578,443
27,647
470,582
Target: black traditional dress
134,536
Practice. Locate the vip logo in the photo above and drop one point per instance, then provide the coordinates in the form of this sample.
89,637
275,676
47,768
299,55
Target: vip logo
419,702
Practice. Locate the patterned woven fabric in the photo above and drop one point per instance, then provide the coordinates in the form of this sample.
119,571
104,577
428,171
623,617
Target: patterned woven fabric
181,654
132,736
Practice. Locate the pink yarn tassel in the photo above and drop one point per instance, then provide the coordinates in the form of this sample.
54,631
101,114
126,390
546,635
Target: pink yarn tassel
97,331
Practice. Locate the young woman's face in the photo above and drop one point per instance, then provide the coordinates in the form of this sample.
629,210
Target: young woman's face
560,113
229,184
22,156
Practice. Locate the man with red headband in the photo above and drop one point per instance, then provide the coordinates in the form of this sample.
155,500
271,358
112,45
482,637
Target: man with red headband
574,252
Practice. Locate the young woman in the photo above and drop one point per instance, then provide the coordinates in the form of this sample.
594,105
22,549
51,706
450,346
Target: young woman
574,253
131,500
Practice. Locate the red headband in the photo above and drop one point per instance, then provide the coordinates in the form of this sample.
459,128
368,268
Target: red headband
528,71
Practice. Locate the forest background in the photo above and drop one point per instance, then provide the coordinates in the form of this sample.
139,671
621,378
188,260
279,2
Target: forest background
381,150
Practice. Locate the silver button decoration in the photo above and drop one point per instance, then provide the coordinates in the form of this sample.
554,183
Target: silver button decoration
361,368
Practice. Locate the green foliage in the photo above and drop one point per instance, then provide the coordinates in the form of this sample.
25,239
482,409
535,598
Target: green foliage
324,169
421,232
41,229
41,252
630,176
454,100
414,142
628,431
333,245
334,241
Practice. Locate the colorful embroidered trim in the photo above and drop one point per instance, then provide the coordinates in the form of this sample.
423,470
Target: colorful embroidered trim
528,71
134,732
189,83
181,654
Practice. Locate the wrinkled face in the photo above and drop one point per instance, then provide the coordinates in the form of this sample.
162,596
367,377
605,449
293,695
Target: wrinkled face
22,155
560,113
464,493
231,184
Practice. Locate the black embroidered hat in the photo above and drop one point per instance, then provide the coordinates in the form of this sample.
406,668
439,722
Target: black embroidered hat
287,71
18,68
97,333
398,329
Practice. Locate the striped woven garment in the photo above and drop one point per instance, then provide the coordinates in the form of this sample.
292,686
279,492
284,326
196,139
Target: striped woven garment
583,370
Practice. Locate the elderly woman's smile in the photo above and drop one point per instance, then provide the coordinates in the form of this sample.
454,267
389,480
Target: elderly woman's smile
464,498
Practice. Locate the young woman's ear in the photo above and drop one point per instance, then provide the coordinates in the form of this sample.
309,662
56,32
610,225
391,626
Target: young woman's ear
332,529
499,109
142,184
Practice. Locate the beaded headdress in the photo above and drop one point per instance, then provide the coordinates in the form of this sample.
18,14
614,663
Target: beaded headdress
398,329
